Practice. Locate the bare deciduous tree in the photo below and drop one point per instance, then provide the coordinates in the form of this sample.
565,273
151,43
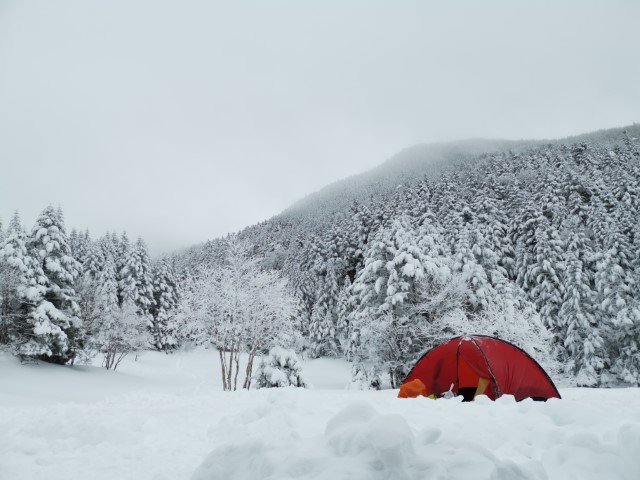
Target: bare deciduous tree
238,308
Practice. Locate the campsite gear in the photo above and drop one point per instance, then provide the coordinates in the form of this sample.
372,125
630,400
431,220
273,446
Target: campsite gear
412,389
480,365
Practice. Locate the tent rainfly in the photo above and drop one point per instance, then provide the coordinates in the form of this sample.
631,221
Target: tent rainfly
478,365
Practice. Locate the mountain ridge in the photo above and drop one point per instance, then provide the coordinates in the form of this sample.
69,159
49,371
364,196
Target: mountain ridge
429,159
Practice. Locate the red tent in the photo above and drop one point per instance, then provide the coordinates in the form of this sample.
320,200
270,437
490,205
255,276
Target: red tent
475,365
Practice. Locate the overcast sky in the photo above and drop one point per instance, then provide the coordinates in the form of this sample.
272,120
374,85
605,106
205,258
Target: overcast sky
183,120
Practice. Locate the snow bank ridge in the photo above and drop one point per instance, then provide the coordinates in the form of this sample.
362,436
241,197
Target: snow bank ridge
361,443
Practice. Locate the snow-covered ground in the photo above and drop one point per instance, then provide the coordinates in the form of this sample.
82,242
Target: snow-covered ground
166,418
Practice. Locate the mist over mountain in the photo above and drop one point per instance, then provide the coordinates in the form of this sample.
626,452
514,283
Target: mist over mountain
428,160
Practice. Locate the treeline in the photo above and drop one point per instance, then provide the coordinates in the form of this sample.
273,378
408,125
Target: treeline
65,297
539,245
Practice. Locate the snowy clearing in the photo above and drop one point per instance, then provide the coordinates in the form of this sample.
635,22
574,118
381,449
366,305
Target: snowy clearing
165,417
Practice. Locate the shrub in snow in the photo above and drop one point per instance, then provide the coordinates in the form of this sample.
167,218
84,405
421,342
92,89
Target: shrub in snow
119,332
365,377
280,369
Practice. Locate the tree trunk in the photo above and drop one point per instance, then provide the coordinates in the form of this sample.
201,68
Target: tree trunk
118,360
235,378
247,377
230,368
222,366
109,357
249,369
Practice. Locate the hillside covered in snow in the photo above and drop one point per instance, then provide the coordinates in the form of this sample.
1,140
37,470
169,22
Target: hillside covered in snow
537,242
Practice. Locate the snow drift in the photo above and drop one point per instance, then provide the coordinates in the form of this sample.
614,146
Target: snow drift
165,417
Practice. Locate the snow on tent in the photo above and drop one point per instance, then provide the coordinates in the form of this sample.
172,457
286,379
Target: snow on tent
478,365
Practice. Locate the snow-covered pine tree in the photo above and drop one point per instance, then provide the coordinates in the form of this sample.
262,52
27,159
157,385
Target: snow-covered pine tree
362,221
467,247
547,274
578,319
384,322
369,294
87,286
135,281
79,244
117,330
303,279
322,329
430,236
122,249
18,284
524,230
53,314
626,365
94,259
344,308
97,289
107,282
73,242
491,244
165,295
416,198
494,226
614,285
322,333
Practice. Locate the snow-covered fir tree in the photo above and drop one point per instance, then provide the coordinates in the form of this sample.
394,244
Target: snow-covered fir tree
165,300
53,317
19,283
578,317
116,330
135,279
384,321
344,308
323,325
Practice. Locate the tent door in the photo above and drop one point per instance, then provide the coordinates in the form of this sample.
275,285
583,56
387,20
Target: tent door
469,383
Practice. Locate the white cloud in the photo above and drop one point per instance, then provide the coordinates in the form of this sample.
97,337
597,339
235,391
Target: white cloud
180,121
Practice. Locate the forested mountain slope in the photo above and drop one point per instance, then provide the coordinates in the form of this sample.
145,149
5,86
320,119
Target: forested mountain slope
416,161
538,242
426,159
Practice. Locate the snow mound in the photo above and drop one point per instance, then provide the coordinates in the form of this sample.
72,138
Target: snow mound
163,418
501,440
361,443
357,443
